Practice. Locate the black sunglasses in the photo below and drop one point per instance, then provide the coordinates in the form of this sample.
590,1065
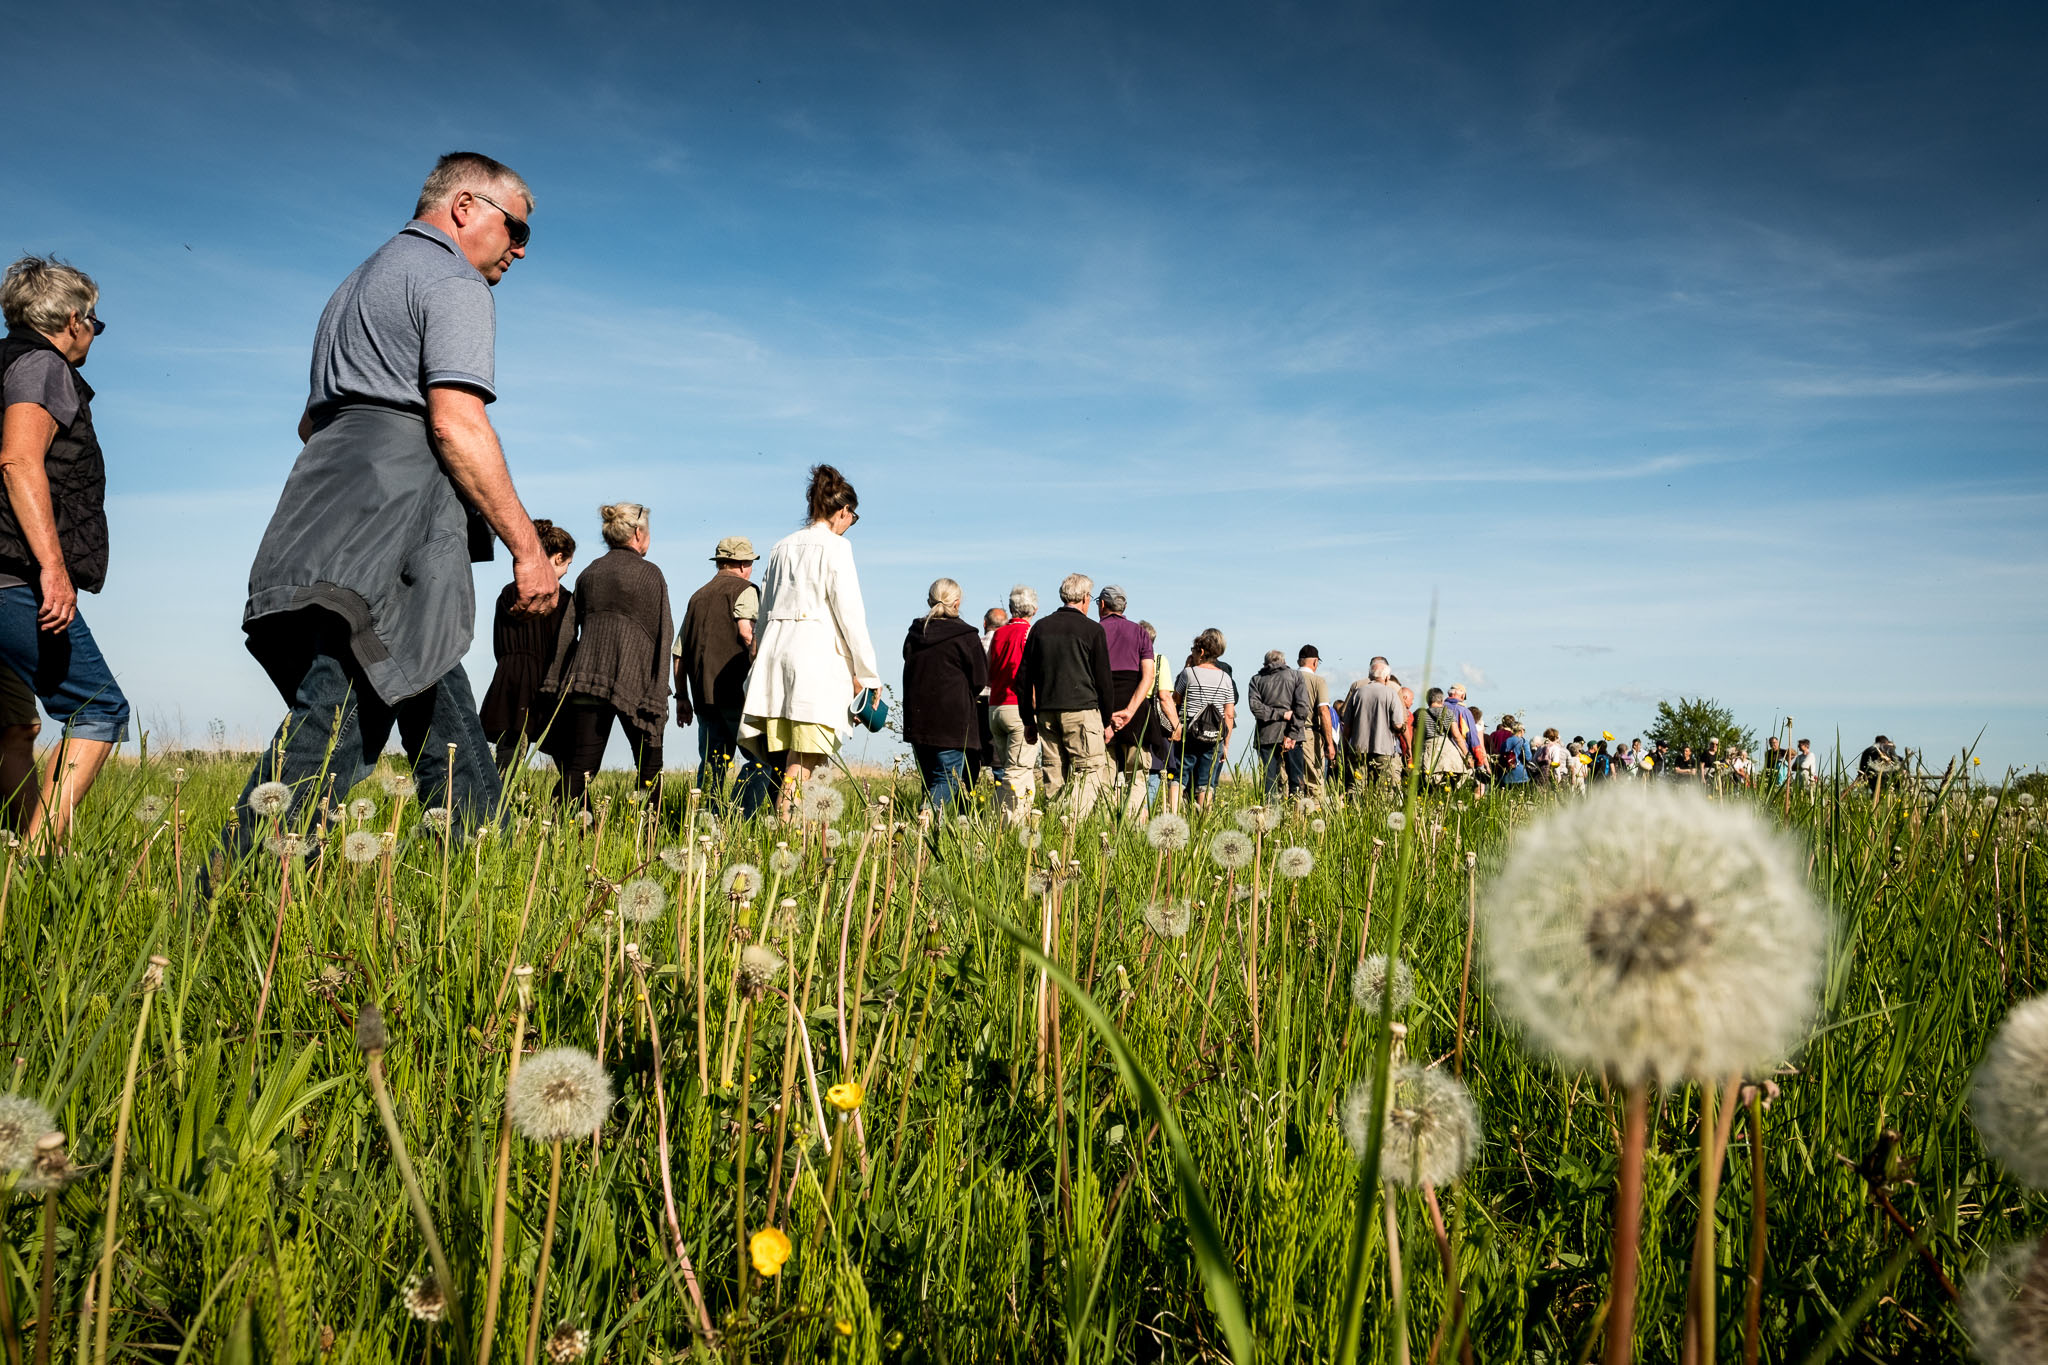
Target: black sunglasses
97,326
516,226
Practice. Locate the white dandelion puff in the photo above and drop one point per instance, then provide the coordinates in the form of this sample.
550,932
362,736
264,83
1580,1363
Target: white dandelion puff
782,861
1656,933
2009,1096
2005,1307
22,1122
1270,817
759,967
1317,826
1036,883
1295,863
435,818
834,840
1030,838
2025,800
1248,819
567,1345
1396,821
1231,849
1369,984
1169,919
362,846
1169,832
285,847
150,809
642,900
741,882
362,808
676,860
585,819
558,1094
822,802
1432,1127
398,785
270,798
423,1298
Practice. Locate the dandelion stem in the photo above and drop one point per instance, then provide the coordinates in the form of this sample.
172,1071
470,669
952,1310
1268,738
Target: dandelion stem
547,1246
1715,1126
410,1179
501,1179
1465,971
151,980
284,901
1628,1226
1753,1295
668,1192
46,1305
739,1197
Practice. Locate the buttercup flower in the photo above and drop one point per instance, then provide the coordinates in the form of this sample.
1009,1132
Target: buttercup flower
22,1121
2009,1096
1231,849
846,1096
769,1248
560,1093
1432,1128
1169,832
642,900
1168,919
1295,863
1656,933
1369,984
270,798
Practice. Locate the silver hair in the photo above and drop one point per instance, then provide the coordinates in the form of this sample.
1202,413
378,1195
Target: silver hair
1379,670
42,293
943,598
622,521
471,171
1023,601
1112,599
1275,659
1076,588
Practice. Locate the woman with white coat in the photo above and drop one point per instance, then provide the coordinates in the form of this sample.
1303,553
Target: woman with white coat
815,656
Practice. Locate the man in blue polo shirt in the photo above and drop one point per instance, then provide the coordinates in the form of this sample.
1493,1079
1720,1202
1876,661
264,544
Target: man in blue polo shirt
361,603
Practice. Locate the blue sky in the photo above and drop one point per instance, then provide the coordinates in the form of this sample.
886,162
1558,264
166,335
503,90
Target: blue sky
1698,351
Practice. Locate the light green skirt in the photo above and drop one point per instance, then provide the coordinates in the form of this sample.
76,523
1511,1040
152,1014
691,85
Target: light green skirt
774,735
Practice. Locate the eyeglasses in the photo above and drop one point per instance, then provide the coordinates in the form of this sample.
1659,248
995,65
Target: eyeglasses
92,320
515,226
855,522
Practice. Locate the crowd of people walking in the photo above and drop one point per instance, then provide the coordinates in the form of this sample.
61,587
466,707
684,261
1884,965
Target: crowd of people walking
361,608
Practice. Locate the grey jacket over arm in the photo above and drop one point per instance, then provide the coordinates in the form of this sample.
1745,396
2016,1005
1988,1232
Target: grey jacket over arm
1272,693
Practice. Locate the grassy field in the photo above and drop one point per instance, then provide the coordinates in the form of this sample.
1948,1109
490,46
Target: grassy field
1136,1153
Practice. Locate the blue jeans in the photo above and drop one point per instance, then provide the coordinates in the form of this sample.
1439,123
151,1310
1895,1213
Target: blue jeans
338,726
66,670
945,773
1200,766
718,743
1286,769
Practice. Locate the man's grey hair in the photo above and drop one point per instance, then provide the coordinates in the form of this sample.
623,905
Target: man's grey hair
1379,670
1275,659
1076,589
41,293
1112,600
472,171
1023,601
993,617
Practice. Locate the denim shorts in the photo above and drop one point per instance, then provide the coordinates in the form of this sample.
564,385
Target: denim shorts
67,670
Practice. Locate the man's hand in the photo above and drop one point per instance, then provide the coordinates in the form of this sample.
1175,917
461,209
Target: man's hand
1119,719
684,715
60,601
537,586
1286,745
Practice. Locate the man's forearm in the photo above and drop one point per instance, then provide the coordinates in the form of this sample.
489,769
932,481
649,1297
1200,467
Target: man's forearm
476,462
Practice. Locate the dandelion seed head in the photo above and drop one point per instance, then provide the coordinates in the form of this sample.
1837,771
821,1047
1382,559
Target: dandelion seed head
388,841
435,818
642,900
1248,819
22,1121
150,809
567,1344
362,846
1030,837
1242,894
834,840
50,1168
270,798
822,802
2005,1307
1231,849
559,1094
423,1298
741,882
1317,826
1432,1127
1270,817
1168,832
1294,863
285,847
362,808
676,860
1169,918
398,785
759,967
2025,800
178,776
782,861
585,819
1036,883
1656,933
1369,984
1396,821
2009,1095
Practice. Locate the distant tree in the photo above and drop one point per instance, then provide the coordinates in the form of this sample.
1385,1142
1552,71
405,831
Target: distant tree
1696,720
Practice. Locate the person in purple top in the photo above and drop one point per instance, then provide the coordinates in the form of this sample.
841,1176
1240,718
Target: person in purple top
1131,668
1475,740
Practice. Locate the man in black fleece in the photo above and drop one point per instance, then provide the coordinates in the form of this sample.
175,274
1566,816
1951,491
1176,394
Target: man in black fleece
1066,695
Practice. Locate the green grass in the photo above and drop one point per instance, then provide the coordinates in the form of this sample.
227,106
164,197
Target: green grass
1036,1176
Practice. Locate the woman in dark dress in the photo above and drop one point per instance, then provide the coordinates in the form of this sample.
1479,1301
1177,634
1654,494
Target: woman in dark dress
513,712
944,667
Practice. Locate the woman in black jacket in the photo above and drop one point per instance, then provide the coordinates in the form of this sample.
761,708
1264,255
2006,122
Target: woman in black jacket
619,669
515,710
944,669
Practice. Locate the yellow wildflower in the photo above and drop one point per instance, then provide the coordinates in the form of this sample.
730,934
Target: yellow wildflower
844,1326
1607,735
846,1096
770,1248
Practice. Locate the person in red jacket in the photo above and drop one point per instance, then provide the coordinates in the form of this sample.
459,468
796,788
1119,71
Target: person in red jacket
1016,749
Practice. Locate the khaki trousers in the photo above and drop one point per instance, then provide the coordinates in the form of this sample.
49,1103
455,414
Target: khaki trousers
1071,751
1018,760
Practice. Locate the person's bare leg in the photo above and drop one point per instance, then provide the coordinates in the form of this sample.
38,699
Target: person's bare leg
795,774
18,786
73,767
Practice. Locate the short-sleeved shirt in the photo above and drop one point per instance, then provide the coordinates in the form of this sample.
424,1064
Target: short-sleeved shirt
745,607
415,315
1201,687
1129,645
44,379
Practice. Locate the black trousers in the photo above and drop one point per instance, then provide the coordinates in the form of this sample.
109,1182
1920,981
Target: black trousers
581,731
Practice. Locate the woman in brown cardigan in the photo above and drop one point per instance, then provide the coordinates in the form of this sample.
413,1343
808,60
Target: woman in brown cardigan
618,667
